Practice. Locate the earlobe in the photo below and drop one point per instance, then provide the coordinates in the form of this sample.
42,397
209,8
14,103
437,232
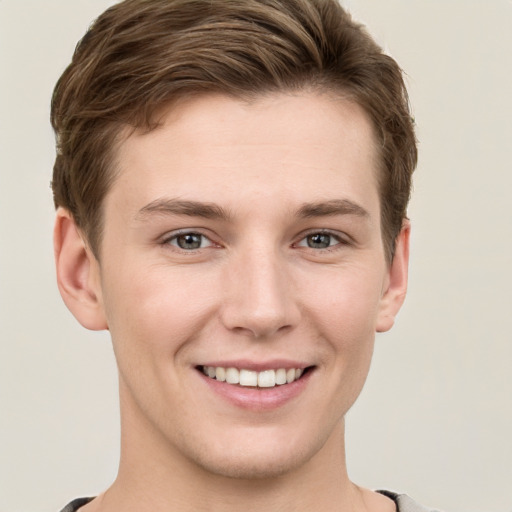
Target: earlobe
396,284
78,276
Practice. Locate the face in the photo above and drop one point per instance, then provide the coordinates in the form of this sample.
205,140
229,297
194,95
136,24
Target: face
242,243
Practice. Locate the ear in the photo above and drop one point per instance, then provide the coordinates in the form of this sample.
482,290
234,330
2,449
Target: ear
395,286
78,273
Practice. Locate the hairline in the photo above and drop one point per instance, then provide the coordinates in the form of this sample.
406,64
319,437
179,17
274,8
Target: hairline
94,234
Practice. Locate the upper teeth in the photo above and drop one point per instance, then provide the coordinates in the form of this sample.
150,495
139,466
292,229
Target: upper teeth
264,379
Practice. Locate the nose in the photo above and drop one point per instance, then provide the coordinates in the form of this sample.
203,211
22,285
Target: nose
259,299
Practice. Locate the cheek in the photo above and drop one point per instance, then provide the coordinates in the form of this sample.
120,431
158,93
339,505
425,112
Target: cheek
154,311
345,303
345,314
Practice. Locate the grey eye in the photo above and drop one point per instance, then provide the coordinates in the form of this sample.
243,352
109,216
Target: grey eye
319,240
189,241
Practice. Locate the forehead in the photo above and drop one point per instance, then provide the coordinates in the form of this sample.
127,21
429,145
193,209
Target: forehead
292,147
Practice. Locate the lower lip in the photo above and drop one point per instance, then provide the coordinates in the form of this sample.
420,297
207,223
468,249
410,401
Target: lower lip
258,399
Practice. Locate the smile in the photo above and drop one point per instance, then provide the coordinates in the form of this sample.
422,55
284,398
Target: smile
249,378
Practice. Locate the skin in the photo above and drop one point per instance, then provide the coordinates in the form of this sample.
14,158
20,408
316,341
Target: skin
256,290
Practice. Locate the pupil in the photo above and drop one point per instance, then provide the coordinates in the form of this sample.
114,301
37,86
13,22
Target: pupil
319,241
189,241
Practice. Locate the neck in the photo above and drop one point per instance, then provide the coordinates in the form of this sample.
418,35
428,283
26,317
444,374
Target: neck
154,476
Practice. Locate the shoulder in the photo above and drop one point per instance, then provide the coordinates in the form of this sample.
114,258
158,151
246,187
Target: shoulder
76,504
405,503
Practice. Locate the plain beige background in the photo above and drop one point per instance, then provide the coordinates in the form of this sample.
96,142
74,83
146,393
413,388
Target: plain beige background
435,418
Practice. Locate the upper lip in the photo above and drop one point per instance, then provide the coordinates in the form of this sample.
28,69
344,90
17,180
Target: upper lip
258,366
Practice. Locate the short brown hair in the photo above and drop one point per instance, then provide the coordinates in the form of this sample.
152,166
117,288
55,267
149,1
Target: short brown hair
140,55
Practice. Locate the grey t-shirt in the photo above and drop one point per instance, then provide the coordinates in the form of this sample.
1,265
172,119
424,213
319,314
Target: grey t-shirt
403,503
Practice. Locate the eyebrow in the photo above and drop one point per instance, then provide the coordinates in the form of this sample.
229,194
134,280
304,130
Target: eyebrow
213,211
331,208
179,207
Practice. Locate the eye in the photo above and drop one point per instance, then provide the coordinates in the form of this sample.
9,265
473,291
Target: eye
320,240
189,241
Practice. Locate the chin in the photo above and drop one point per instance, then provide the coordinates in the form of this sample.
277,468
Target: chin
242,467
259,460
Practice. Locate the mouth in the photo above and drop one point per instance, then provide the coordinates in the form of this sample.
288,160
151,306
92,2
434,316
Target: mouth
243,377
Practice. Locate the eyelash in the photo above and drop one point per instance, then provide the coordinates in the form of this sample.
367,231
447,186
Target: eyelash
302,242
174,237
338,238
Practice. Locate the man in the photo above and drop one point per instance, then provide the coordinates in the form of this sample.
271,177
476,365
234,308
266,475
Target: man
231,182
